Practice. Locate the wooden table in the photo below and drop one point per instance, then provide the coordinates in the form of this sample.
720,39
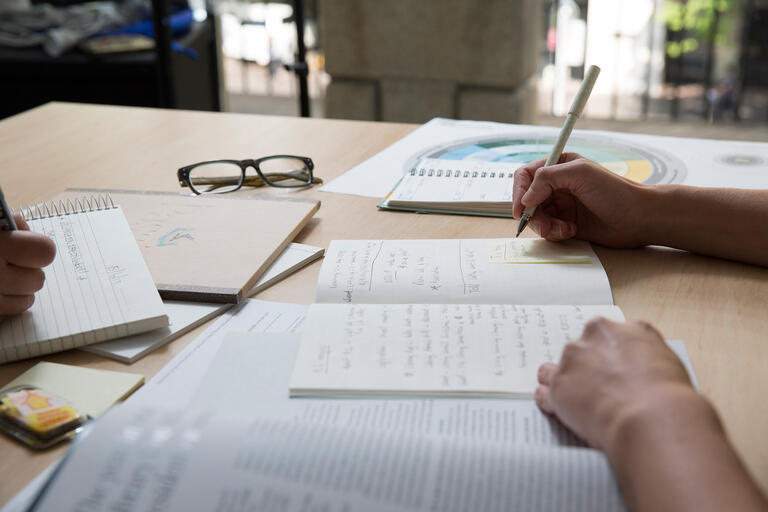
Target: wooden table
718,307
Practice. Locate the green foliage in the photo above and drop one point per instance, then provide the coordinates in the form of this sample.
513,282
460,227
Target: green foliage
697,19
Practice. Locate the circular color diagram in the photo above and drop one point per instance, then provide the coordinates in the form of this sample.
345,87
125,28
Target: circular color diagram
632,161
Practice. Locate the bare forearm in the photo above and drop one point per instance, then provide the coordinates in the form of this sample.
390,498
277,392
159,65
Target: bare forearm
680,459
727,223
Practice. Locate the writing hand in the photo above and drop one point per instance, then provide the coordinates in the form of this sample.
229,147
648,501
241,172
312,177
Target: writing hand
578,198
22,256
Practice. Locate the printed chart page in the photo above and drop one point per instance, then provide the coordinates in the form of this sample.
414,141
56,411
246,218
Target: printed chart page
646,159
458,350
141,458
462,271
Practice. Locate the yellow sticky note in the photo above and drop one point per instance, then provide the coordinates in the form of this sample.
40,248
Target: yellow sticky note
535,250
92,391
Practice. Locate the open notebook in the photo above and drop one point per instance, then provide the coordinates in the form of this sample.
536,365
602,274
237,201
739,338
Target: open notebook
97,288
454,186
467,317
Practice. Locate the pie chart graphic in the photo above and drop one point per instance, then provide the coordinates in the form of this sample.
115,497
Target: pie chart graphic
633,161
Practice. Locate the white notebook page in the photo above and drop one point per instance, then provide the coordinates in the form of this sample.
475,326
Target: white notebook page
433,349
97,288
455,272
456,181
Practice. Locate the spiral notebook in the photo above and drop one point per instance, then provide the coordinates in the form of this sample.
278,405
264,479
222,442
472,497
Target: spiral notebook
454,186
97,288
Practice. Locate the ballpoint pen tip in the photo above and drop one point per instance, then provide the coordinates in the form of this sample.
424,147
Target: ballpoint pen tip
521,225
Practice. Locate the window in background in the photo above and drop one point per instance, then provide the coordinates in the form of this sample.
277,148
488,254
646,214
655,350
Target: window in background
258,39
703,60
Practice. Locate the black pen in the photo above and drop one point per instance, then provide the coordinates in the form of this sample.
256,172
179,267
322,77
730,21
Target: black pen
6,215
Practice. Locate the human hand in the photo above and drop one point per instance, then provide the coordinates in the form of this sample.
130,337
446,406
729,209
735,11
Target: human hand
614,375
578,198
22,256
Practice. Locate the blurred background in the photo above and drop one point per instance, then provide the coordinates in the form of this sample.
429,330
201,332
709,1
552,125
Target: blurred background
679,67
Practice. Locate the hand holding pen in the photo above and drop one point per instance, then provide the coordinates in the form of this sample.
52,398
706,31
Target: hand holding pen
577,107
23,253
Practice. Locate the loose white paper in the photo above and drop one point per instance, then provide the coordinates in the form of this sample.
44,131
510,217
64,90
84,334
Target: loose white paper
183,316
178,381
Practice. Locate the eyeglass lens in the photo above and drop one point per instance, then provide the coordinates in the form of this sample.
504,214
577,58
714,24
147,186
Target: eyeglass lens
215,178
281,172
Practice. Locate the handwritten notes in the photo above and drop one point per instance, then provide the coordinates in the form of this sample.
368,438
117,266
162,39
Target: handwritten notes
433,349
536,250
455,272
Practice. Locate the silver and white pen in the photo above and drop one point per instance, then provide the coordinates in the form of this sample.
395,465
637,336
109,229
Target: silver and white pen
577,107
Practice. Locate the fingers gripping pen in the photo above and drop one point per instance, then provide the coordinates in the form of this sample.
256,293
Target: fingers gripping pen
577,107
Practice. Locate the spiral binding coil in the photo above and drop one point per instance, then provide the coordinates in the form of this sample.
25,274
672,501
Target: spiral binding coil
458,173
59,208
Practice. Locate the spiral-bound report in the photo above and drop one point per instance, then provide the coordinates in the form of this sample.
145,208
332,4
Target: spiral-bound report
97,288
454,186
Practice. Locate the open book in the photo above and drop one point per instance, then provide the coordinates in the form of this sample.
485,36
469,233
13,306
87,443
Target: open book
446,317
153,458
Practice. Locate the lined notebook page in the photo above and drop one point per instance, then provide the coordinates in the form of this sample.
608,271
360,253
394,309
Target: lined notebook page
97,288
433,349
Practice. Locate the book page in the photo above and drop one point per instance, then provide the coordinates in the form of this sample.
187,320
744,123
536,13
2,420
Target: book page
97,288
258,366
461,271
140,458
433,349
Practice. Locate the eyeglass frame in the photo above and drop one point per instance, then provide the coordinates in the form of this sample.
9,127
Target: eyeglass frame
183,172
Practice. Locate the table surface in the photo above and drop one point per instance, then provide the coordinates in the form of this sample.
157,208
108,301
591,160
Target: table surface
717,307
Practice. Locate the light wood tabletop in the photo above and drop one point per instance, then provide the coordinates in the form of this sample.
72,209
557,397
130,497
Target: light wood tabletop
719,308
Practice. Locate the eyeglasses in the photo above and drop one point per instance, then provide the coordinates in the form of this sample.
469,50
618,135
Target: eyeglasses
221,176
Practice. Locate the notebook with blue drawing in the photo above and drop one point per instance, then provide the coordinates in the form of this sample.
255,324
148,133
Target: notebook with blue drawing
209,248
